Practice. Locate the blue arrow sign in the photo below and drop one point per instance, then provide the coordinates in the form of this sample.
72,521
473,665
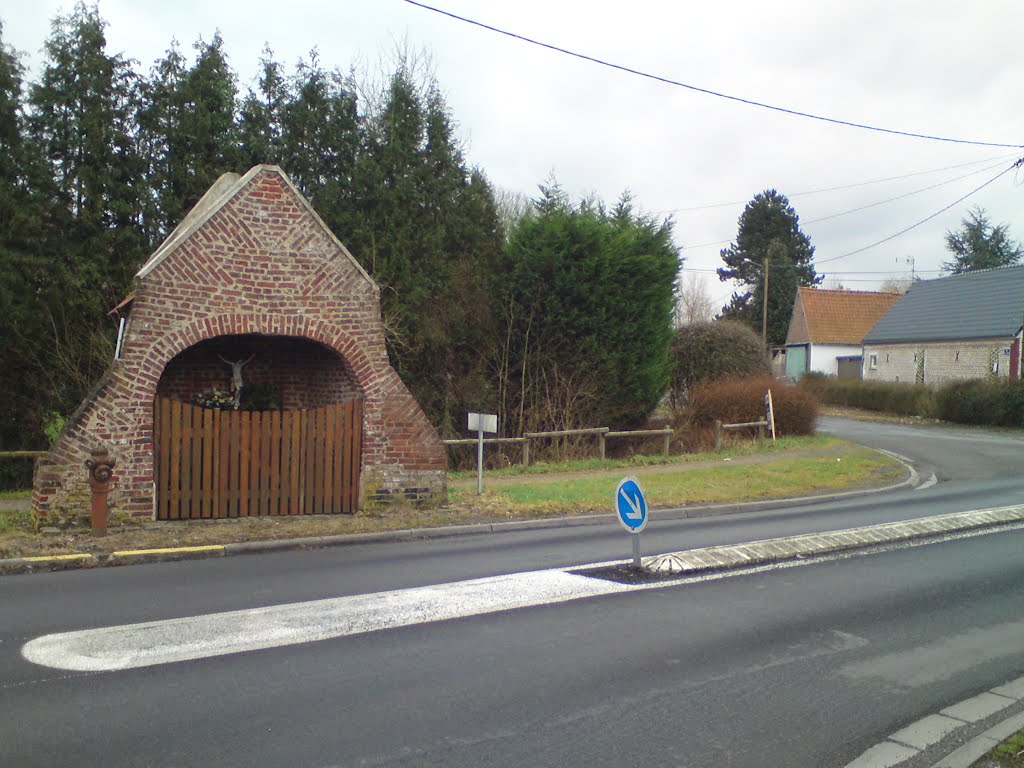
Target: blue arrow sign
631,505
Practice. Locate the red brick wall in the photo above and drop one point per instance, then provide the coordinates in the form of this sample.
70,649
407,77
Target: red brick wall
259,276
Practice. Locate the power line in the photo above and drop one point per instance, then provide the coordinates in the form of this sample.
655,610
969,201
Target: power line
882,202
905,194
706,91
927,218
843,186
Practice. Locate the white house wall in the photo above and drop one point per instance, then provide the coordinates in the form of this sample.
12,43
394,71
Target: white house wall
823,357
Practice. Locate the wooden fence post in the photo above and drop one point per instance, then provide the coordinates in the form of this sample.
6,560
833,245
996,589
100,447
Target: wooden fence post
668,442
718,435
526,452
600,444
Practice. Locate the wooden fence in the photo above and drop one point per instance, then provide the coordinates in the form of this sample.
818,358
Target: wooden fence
219,464
602,433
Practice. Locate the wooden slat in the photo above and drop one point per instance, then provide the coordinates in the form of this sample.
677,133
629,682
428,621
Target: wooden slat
234,449
220,458
308,471
244,460
321,446
174,485
295,491
255,468
338,458
275,464
267,467
165,435
196,451
209,441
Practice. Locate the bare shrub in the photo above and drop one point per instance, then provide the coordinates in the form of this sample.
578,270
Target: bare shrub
740,400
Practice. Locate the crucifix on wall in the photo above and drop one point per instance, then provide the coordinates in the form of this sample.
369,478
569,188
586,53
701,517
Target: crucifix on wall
236,377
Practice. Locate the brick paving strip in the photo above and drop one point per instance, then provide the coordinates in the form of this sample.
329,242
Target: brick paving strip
818,544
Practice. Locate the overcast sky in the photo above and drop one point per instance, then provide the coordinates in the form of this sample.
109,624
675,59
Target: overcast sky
951,69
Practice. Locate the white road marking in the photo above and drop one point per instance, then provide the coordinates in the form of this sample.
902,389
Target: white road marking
928,483
196,637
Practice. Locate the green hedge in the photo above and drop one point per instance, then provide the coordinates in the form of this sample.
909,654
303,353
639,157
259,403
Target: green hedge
991,402
886,396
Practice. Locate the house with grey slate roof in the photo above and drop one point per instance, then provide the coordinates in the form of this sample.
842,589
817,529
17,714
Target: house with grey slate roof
961,327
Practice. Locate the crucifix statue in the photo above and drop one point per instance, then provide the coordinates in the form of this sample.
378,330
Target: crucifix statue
236,377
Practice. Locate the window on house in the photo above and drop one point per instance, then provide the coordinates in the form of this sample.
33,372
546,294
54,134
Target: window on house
873,362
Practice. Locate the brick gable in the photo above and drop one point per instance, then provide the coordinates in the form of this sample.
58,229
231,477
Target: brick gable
251,271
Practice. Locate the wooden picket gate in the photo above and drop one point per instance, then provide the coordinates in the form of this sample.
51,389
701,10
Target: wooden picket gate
218,464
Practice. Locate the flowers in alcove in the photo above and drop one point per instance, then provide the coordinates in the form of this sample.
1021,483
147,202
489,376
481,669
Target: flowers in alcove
213,397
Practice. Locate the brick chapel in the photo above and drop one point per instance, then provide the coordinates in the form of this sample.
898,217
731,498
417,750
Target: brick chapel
251,293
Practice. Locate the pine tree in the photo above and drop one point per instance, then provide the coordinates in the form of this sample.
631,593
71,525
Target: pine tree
980,245
768,238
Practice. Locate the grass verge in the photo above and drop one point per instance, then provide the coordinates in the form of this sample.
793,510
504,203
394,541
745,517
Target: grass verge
797,467
1007,754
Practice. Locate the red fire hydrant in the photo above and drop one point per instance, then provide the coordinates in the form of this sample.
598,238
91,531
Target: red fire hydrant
101,469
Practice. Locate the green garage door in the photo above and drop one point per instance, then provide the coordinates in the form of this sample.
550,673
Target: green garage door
796,361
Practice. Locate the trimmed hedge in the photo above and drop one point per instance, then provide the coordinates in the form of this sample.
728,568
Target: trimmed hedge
742,399
886,396
979,401
989,402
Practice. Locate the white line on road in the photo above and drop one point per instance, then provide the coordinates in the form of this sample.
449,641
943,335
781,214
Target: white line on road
928,483
218,634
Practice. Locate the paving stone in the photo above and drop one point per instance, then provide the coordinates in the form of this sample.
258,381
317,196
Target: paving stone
967,754
884,755
978,707
926,731
1014,689
1006,729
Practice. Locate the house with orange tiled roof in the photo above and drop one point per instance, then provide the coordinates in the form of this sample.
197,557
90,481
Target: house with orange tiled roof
827,329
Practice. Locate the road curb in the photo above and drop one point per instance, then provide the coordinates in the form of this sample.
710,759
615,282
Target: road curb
928,735
138,557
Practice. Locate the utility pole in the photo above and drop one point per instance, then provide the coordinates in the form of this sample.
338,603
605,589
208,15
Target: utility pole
764,310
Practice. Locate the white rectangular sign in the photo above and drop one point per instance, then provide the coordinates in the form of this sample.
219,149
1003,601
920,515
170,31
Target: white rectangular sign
483,422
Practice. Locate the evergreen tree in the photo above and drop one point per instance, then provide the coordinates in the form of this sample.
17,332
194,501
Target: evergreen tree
189,122
588,303
980,245
261,121
82,118
23,267
768,239
426,228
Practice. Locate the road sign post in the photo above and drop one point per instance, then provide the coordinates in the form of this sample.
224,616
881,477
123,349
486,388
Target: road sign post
631,508
480,423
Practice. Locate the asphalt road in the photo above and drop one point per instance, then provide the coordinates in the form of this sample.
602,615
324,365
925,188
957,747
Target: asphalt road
798,666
